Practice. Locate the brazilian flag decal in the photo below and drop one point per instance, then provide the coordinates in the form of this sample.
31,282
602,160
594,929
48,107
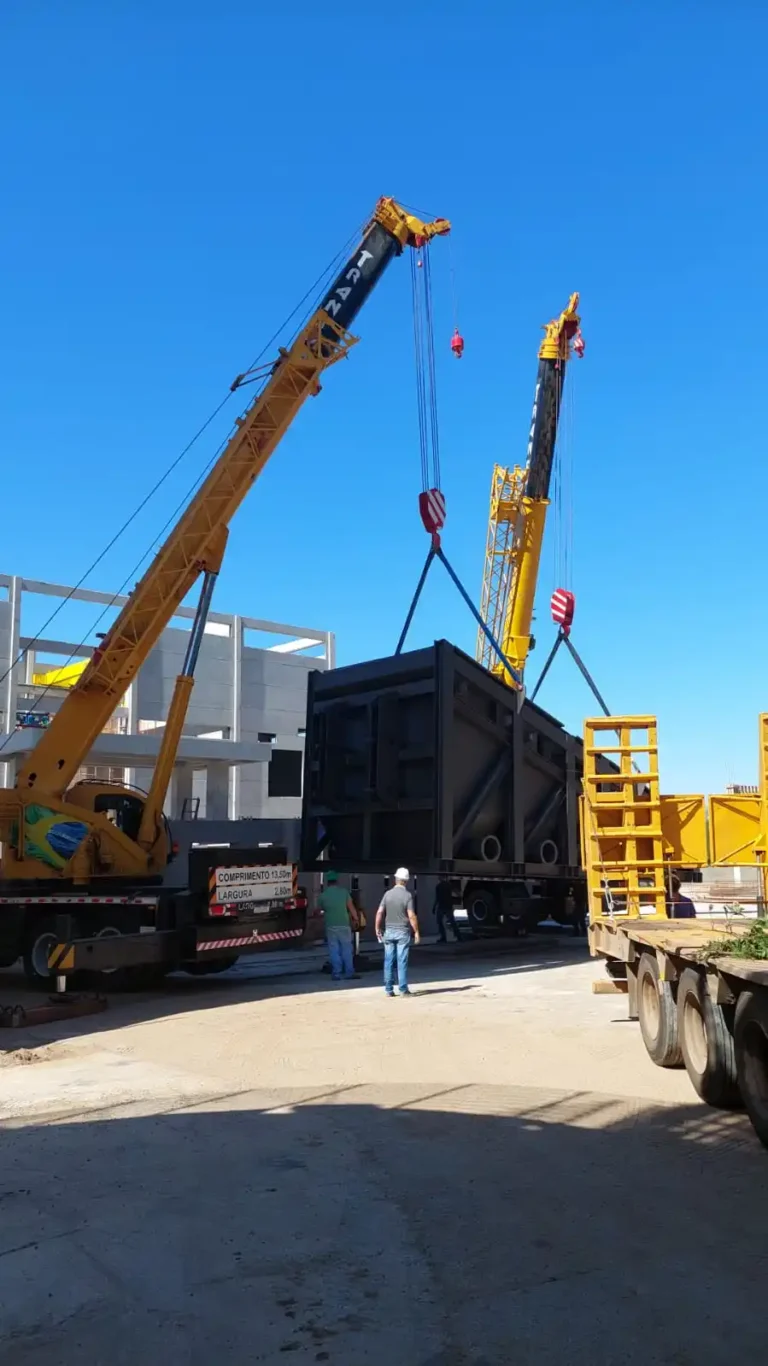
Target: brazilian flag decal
50,837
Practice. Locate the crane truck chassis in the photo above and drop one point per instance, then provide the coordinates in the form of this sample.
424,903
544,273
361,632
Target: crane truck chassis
237,901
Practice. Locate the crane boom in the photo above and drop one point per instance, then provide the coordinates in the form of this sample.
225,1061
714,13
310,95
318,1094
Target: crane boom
135,842
519,502
196,543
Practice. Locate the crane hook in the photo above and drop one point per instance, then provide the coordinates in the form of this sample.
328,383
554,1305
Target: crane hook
457,344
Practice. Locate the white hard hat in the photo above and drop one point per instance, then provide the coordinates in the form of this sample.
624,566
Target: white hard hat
402,875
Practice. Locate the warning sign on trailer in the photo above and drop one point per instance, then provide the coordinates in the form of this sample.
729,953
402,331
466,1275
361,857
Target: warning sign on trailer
261,882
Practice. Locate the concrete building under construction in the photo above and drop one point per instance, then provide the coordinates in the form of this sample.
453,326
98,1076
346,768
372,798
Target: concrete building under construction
242,750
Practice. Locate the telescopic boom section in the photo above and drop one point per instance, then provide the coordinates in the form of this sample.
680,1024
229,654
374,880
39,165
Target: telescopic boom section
554,354
196,544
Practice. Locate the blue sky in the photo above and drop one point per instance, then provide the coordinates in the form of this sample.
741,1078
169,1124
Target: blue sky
176,175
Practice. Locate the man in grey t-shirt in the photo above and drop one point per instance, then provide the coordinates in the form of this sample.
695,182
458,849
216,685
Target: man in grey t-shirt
396,928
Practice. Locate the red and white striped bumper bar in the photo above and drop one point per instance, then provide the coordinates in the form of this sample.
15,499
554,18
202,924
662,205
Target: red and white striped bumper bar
240,942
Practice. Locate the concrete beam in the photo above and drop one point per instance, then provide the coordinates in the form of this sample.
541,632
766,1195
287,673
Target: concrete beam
141,751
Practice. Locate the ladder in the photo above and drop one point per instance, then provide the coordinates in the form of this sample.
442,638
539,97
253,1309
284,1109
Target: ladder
621,830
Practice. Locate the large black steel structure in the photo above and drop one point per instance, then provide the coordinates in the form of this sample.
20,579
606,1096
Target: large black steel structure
427,759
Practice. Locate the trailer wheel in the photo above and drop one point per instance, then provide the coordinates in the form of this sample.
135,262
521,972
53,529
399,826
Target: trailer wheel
482,908
41,938
657,1014
706,1042
751,1036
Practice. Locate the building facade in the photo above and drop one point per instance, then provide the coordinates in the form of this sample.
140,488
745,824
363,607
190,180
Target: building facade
242,751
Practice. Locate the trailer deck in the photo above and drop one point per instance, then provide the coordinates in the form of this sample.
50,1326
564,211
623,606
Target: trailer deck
676,943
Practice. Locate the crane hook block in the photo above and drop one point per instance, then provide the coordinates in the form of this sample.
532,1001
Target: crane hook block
579,344
563,606
457,344
432,510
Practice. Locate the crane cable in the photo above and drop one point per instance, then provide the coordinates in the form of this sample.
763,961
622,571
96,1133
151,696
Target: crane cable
325,276
431,498
426,375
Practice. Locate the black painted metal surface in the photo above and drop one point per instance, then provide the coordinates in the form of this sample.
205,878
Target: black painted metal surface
425,759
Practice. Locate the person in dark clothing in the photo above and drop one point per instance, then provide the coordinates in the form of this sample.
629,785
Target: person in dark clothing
679,907
576,911
443,912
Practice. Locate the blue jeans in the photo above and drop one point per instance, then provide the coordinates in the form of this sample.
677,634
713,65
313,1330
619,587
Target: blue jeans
340,950
397,945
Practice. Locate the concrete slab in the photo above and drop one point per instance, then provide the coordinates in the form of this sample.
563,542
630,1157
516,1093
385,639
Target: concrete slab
490,1173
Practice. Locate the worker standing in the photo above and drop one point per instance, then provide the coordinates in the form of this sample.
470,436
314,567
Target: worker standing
443,911
679,907
396,928
576,912
341,920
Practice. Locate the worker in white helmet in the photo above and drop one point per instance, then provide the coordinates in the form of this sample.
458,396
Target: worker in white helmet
397,928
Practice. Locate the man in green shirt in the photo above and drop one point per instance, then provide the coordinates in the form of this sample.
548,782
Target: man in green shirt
340,917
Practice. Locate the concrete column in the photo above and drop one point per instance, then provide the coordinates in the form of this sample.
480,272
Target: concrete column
12,677
135,777
180,791
217,792
236,635
330,650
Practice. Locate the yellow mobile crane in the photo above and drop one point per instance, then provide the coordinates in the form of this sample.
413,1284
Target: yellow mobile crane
64,840
519,502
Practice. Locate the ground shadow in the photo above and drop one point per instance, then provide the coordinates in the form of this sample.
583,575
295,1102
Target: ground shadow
480,1226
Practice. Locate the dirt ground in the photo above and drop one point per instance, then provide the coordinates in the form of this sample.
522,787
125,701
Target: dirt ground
260,1171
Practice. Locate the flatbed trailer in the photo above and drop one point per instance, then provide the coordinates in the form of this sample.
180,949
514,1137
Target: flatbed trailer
698,1006
707,1014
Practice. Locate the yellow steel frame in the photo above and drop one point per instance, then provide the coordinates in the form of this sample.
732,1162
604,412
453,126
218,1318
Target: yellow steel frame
622,839
631,834
65,676
501,557
738,824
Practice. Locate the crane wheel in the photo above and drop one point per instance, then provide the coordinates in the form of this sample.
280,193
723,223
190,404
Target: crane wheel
210,967
657,1014
706,1040
751,1043
41,937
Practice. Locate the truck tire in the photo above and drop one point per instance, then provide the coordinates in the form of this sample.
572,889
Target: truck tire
482,909
208,967
657,1014
706,1042
40,938
751,1042
109,932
